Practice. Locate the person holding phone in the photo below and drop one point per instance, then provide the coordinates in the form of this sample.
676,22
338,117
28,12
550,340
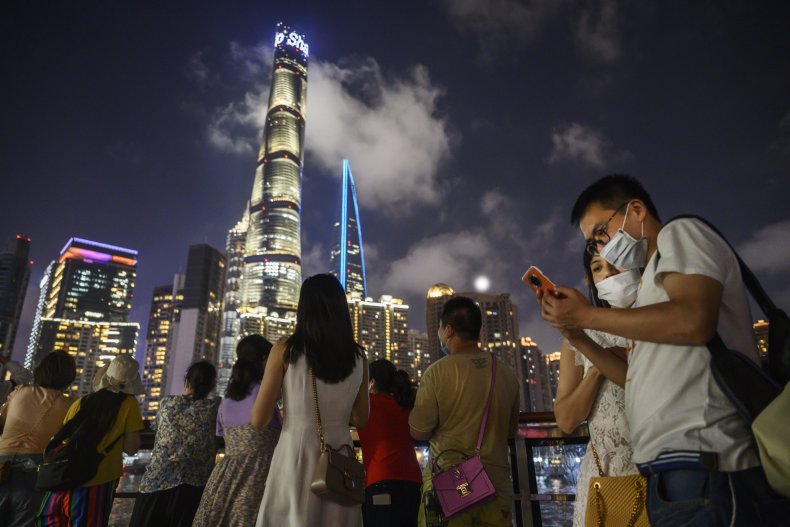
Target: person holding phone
592,375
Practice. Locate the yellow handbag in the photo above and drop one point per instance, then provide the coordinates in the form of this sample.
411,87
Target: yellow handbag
616,501
771,432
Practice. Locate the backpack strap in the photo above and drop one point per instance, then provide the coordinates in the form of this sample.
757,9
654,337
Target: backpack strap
778,366
749,279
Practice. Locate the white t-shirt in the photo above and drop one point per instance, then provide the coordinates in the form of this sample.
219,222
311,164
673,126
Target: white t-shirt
672,401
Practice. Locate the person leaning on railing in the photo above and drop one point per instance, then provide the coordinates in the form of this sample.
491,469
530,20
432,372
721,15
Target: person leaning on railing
392,474
28,419
111,407
183,455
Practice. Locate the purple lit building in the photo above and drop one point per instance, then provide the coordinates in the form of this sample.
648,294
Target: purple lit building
83,308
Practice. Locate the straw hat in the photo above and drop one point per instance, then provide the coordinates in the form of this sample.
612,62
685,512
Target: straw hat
122,374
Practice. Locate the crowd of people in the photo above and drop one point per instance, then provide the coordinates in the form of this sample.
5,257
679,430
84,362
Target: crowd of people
634,366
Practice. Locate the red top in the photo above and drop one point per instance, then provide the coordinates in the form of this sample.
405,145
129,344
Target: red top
387,447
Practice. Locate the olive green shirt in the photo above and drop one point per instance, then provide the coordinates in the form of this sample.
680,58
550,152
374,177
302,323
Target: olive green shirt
450,402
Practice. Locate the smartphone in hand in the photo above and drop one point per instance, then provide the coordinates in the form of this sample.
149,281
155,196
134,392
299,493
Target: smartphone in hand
538,281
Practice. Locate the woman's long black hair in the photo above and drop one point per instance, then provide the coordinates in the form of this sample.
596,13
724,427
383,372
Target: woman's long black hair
592,292
393,381
251,351
323,330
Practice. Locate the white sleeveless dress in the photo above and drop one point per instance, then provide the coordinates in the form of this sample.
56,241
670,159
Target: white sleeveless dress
287,499
608,430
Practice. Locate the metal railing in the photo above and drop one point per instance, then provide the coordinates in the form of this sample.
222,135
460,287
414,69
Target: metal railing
544,466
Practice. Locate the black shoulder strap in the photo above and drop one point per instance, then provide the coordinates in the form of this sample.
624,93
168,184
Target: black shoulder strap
749,279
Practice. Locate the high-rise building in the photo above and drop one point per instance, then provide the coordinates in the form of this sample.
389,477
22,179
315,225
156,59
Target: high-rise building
553,367
534,373
499,332
14,276
160,320
437,296
198,316
272,263
92,344
231,323
381,327
418,350
347,259
83,308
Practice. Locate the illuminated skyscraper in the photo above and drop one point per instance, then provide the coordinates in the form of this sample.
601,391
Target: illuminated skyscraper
438,295
14,276
553,366
160,322
381,327
347,259
536,388
499,332
272,262
418,350
231,330
84,306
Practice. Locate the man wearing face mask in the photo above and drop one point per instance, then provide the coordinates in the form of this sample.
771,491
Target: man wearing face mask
449,408
697,452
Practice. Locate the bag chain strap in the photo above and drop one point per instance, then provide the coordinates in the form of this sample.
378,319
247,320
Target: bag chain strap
599,505
318,413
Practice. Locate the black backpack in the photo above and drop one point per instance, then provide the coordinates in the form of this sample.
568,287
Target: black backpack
71,457
748,387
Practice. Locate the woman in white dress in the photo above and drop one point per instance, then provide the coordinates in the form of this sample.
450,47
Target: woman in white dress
323,343
592,376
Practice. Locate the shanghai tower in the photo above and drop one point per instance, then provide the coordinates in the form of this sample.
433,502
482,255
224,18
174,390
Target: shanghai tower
272,258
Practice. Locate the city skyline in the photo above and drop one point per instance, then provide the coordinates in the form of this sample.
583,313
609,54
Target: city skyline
156,151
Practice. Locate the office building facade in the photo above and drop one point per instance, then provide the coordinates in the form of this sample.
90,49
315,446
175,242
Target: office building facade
535,389
231,302
347,258
160,320
83,308
14,276
381,327
417,347
197,315
499,331
437,296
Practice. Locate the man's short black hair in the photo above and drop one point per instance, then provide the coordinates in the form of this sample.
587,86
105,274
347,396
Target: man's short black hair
463,314
56,370
612,191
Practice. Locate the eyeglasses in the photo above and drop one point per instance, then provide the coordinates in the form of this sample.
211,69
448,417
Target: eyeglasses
600,234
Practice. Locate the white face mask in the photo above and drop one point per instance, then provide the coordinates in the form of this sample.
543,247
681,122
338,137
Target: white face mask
620,289
624,251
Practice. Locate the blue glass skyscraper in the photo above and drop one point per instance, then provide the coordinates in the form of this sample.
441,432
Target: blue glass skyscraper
347,259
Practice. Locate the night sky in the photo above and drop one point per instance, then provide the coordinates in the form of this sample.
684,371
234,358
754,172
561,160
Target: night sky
470,126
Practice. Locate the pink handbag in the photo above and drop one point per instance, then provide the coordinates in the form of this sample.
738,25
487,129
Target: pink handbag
466,484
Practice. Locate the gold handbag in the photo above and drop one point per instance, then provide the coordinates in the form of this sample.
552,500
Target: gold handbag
338,478
616,501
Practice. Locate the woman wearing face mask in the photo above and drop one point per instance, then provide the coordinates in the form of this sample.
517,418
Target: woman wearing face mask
592,373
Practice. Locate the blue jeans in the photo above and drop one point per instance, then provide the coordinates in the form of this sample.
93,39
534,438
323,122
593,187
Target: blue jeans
401,511
699,498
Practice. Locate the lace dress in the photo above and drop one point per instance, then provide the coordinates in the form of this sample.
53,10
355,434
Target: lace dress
608,430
